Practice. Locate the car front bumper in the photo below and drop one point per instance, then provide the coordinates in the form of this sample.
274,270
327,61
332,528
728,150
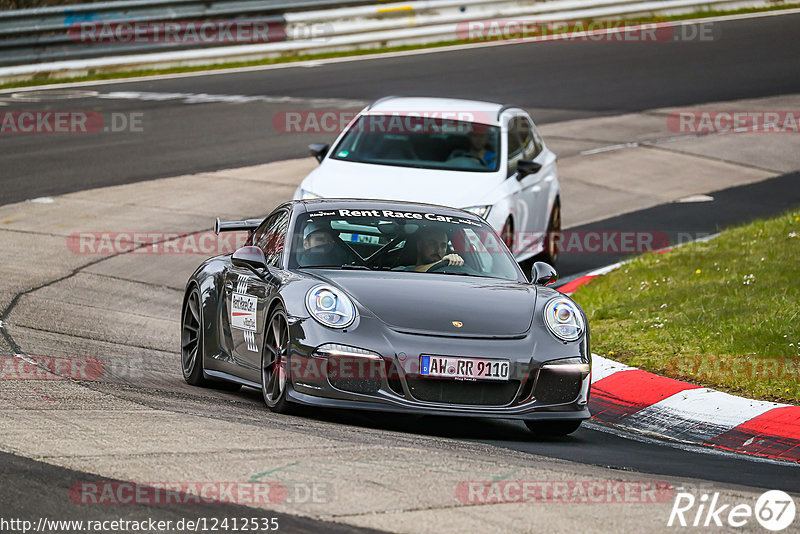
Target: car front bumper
389,379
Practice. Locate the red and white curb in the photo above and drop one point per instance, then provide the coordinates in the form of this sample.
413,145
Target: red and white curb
642,401
584,279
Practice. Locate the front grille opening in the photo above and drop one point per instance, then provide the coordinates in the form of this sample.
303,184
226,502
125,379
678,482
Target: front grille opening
463,392
355,375
527,387
393,379
557,387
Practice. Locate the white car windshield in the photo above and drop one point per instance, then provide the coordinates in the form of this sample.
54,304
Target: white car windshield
421,142
420,242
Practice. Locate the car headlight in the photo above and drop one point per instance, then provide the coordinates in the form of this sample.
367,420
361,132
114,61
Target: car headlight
308,195
335,349
563,319
480,211
569,364
330,306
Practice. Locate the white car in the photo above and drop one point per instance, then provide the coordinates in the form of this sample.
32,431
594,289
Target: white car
486,158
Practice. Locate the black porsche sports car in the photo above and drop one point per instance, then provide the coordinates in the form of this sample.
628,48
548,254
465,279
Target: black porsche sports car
387,306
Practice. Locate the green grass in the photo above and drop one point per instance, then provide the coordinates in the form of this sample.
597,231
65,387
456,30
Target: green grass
44,78
723,314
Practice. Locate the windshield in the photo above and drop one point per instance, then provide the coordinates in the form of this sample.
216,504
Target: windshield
421,142
417,242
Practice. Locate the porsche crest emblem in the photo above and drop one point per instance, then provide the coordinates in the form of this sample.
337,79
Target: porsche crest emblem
458,324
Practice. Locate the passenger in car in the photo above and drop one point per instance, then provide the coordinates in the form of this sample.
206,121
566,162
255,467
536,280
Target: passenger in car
320,247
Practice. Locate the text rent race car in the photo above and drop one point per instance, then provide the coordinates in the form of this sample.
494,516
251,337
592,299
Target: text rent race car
386,306
486,158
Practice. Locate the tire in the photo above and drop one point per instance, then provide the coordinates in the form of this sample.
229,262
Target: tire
507,234
192,339
274,359
550,253
192,353
553,229
553,428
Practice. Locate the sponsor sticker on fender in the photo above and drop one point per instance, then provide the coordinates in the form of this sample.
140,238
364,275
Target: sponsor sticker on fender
243,312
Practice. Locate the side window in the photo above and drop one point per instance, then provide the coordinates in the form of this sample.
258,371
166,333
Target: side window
260,234
528,138
514,147
271,235
538,138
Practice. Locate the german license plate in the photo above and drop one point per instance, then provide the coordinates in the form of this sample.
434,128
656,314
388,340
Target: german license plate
463,368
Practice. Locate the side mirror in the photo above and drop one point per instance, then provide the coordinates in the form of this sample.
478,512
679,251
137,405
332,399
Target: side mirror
543,273
526,167
319,150
250,257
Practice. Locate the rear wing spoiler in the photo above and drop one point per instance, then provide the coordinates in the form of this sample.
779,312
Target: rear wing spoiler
236,226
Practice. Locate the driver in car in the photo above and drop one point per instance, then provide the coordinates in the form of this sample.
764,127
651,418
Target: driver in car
478,149
431,249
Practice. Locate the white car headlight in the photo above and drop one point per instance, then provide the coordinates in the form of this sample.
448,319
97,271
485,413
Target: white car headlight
480,211
330,306
335,349
563,319
308,195
569,364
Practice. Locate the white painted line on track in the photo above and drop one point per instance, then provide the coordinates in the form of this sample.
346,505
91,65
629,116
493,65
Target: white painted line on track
609,148
369,57
204,98
695,198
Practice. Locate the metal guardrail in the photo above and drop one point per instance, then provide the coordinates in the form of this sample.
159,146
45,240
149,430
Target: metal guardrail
36,50
43,34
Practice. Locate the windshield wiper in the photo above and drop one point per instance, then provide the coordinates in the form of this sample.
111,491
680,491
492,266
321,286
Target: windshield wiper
349,266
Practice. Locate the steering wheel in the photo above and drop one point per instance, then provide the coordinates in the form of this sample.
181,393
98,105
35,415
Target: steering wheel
444,267
473,156
458,154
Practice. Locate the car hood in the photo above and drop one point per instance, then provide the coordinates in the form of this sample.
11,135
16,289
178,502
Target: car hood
429,303
344,179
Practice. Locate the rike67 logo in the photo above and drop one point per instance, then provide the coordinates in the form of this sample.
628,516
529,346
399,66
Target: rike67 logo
774,510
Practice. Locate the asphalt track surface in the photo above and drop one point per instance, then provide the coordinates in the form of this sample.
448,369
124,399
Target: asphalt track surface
33,490
563,80
555,81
